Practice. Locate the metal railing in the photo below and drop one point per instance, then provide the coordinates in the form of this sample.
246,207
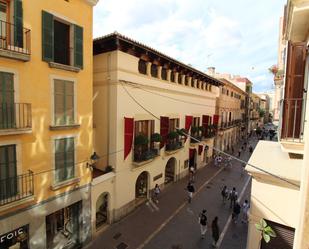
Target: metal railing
14,38
15,116
292,119
141,155
16,188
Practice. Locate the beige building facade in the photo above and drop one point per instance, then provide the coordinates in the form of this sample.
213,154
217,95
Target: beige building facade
283,200
141,100
231,110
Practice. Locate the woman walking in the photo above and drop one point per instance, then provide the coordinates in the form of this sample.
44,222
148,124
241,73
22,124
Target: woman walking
215,231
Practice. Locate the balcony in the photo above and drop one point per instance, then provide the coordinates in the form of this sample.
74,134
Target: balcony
144,156
291,131
174,145
14,41
15,118
16,189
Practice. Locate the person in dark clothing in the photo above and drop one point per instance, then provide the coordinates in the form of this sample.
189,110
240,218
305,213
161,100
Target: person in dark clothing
191,190
215,231
236,212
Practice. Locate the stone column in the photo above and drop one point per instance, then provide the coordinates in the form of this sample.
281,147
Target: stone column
169,72
148,64
160,72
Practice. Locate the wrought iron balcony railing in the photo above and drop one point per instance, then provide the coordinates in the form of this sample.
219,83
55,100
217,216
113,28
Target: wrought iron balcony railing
14,38
15,116
16,188
292,119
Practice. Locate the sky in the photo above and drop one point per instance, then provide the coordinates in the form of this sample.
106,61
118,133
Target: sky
238,37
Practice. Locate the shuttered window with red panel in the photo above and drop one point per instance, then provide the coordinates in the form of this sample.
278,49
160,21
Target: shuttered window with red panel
164,129
200,149
294,90
205,120
188,123
128,135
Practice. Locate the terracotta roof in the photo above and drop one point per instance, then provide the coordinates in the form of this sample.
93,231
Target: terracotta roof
101,45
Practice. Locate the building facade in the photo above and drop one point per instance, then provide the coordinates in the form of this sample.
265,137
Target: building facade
145,104
45,123
231,109
283,200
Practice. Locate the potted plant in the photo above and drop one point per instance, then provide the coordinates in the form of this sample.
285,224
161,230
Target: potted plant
266,231
140,141
156,139
202,130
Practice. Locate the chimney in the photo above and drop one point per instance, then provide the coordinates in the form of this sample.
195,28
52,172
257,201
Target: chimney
211,71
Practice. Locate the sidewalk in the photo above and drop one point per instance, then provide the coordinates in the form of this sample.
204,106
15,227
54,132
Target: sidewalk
134,229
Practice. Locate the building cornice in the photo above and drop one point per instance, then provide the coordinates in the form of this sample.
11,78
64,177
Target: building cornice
92,2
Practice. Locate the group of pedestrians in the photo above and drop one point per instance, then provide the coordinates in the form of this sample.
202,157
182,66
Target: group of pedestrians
232,196
214,227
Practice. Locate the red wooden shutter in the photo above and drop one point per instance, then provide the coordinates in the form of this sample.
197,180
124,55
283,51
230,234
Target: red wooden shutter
294,89
164,127
216,119
210,120
188,122
205,120
128,135
191,153
200,149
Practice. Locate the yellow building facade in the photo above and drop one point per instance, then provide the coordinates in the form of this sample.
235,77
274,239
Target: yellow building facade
45,122
231,110
142,95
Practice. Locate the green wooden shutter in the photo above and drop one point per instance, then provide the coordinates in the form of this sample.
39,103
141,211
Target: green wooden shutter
78,46
18,21
47,37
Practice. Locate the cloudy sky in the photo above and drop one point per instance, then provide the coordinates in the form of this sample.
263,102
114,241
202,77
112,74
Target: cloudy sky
238,37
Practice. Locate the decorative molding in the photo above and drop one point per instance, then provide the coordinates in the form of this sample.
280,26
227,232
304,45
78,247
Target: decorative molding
92,2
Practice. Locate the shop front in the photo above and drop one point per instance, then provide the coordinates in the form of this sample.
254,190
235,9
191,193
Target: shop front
63,227
16,239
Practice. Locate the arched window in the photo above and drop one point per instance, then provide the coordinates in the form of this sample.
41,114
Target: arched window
172,76
142,67
154,70
192,82
164,74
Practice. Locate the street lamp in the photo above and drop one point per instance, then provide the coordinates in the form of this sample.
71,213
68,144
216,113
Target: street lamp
93,159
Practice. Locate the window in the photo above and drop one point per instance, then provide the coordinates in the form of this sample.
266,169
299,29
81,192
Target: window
63,102
227,92
196,122
7,110
186,80
192,82
8,171
154,70
173,124
64,159
62,42
144,127
142,66
164,74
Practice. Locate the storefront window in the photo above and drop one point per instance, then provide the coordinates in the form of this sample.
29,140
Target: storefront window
17,239
63,227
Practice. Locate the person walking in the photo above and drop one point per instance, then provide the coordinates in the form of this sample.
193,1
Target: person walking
250,149
203,223
233,197
224,194
191,190
191,174
156,191
236,212
245,209
239,152
215,231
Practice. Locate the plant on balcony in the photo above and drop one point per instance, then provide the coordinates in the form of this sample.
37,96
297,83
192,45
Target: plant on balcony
266,231
182,132
172,135
140,141
273,69
108,169
156,138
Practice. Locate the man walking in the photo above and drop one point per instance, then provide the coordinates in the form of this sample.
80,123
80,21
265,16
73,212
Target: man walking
236,212
224,194
191,190
215,231
233,197
203,223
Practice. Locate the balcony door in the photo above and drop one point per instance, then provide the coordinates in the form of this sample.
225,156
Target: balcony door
4,18
7,109
8,172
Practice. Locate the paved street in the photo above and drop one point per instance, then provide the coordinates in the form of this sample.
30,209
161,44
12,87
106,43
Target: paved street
174,222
